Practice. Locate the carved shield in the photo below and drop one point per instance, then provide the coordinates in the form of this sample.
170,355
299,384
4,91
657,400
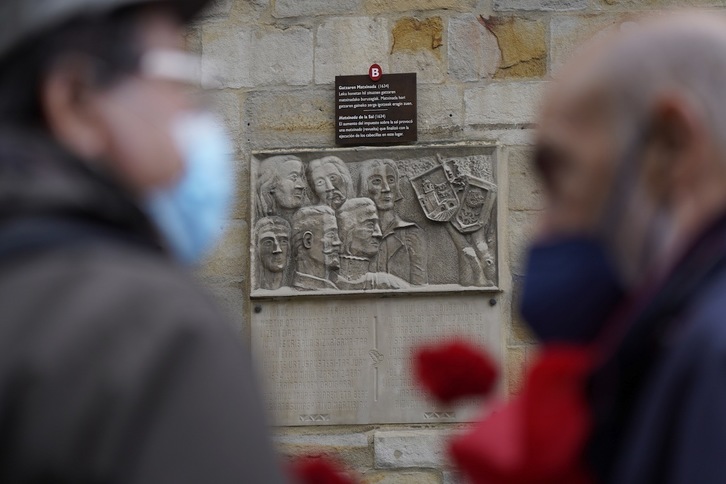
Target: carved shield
436,195
476,205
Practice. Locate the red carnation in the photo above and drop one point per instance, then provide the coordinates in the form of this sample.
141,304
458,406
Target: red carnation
455,370
539,436
319,470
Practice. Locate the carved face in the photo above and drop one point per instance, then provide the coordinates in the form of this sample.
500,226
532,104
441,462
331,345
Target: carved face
329,185
365,235
325,244
381,184
273,247
290,188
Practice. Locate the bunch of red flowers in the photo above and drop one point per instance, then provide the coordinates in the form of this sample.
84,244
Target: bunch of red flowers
537,437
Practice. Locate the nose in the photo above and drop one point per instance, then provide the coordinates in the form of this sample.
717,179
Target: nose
377,232
385,188
336,241
276,249
328,185
299,184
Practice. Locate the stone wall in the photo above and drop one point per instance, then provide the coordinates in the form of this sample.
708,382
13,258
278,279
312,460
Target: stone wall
482,66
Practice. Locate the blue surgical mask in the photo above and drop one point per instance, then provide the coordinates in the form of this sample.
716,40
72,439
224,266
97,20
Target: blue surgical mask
191,213
570,289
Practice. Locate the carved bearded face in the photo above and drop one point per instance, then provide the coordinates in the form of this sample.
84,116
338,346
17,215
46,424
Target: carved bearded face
290,187
382,184
273,246
325,244
329,185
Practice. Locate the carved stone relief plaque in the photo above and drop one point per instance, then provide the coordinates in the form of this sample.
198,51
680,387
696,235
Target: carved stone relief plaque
388,220
347,361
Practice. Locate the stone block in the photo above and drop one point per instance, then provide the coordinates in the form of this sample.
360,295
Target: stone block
522,226
452,478
348,46
506,136
353,448
503,103
412,34
387,6
541,5
398,449
570,33
230,257
516,361
226,104
241,205
525,188
417,48
216,10
406,477
429,67
439,107
522,44
290,118
255,57
472,49
310,8
193,40
519,332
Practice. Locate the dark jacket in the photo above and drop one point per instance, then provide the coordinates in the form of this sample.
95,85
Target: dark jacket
114,366
660,398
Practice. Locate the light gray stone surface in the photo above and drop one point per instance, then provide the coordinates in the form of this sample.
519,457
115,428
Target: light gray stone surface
440,108
236,58
298,8
502,103
429,67
546,5
526,192
347,361
347,46
411,448
450,477
324,440
302,117
473,50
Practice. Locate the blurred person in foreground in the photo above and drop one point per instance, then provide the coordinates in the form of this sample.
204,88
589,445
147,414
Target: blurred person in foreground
632,150
114,366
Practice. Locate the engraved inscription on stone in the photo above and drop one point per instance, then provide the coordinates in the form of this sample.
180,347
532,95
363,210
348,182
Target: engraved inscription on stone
393,220
339,361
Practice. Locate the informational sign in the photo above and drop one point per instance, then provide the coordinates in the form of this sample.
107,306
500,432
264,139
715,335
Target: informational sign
375,112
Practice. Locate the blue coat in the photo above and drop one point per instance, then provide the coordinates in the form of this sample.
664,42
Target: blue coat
659,400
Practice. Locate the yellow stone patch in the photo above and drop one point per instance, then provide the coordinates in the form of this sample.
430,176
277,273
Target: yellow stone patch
412,35
523,46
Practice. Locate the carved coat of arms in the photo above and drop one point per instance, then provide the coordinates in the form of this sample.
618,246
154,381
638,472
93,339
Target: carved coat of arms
477,201
436,195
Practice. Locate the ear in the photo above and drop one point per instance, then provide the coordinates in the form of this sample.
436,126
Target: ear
67,104
674,152
307,239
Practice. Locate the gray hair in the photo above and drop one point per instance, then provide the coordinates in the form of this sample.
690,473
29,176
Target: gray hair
682,52
267,178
